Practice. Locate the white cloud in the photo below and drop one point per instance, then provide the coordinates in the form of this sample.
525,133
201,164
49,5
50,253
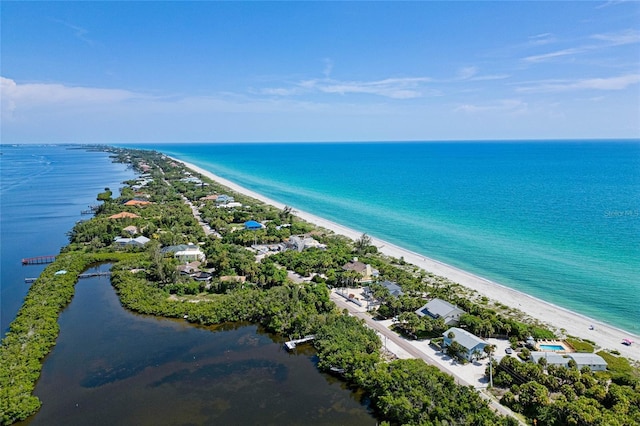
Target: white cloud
56,93
551,55
541,39
78,32
620,38
395,88
490,77
467,72
610,3
611,83
515,106
280,91
16,97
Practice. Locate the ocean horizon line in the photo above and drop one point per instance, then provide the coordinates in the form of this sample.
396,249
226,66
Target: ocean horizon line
379,141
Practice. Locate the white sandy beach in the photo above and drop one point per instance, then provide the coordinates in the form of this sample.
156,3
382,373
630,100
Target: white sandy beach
574,324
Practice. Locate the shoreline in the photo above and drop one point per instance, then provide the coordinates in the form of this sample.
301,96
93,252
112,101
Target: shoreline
604,335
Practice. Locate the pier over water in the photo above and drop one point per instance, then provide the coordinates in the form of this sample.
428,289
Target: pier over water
291,344
38,260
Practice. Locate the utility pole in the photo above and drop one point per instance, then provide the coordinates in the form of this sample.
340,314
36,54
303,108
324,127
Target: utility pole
490,367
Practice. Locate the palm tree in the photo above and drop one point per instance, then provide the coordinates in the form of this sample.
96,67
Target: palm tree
455,349
489,349
287,214
362,243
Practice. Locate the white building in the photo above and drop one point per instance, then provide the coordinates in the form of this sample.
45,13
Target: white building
191,253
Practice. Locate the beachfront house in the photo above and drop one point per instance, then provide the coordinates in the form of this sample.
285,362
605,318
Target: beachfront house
301,242
191,179
438,308
470,344
224,199
593,361
368,273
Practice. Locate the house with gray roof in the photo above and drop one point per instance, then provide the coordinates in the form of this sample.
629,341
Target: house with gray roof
552,358
135,242
470,342
593,361
438,308
394,289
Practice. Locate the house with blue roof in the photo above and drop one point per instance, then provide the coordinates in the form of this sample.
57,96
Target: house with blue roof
252,225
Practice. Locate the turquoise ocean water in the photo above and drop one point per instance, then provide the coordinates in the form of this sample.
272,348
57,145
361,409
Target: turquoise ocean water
559,221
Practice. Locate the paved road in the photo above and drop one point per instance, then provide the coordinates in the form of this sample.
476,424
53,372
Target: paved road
342,303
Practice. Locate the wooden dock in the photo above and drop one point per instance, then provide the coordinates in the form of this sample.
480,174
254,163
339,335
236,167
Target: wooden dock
38,260
291,344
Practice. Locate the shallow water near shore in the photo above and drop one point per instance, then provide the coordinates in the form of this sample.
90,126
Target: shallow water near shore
557,220
111,366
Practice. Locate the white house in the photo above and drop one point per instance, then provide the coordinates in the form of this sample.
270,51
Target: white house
191,253
300,242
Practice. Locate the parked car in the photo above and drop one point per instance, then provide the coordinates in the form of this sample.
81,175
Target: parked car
509,351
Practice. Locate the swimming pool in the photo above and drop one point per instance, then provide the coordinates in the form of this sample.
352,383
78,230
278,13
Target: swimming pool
552,348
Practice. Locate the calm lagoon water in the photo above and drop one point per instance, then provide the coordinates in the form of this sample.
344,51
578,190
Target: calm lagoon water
111,366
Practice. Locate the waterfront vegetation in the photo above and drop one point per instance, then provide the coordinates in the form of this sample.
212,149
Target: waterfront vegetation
242,288
559,395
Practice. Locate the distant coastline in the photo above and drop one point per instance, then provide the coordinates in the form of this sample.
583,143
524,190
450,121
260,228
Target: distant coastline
564,320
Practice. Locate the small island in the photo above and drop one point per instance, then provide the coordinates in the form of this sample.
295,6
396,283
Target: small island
183,245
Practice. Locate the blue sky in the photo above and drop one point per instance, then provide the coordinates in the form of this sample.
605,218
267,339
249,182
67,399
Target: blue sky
318,71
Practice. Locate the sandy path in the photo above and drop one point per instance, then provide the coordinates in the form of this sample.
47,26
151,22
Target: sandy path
605,336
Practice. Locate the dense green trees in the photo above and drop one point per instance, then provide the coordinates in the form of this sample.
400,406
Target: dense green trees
412,392
344,343
567,396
